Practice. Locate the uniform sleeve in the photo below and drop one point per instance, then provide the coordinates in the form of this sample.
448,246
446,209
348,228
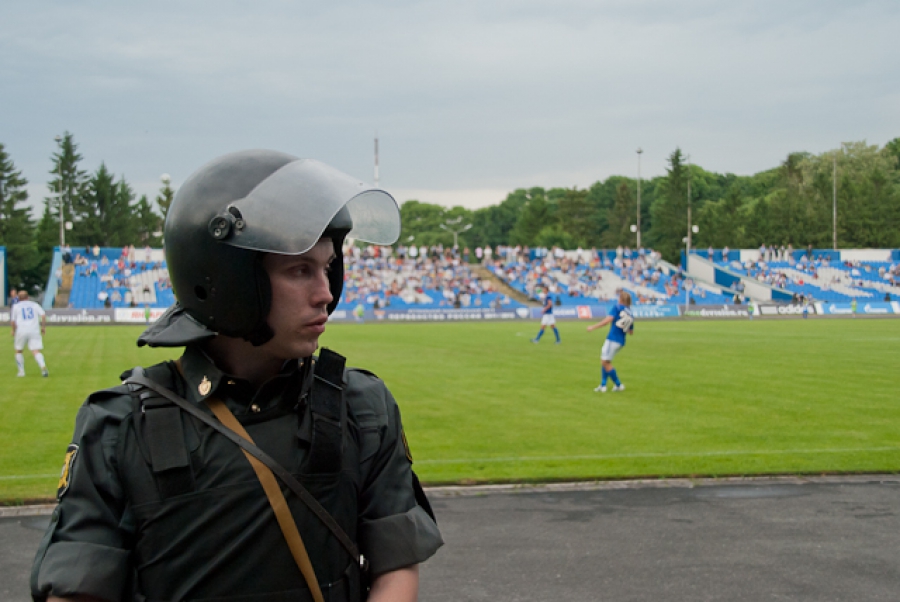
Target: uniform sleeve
86,547
394,531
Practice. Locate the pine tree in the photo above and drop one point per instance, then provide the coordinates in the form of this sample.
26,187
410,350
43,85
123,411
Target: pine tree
669,211
67,183
620,217
16,227
149,223
165,196
106,216
536,215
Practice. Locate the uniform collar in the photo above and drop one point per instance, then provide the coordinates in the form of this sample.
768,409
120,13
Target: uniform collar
203,379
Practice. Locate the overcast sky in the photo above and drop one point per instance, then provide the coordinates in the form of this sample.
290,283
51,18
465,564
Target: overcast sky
470,99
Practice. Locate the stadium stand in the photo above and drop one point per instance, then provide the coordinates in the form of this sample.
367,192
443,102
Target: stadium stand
823,275
600,274
427,278
437,278
119,277
374,277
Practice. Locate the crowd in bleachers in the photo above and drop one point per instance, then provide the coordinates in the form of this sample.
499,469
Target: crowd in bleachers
112,277
434,277
599,274
416,277
810,275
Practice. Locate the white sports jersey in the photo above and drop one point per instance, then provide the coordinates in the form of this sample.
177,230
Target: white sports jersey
27,316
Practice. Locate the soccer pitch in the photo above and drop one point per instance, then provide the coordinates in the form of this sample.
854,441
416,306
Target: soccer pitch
481,403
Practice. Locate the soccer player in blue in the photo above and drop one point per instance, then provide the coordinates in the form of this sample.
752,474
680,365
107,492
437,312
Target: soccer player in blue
547,319
622,323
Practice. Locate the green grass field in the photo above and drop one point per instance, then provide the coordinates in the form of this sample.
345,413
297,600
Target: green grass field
481,403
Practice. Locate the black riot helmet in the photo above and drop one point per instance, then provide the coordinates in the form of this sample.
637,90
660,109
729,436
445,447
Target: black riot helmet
236,208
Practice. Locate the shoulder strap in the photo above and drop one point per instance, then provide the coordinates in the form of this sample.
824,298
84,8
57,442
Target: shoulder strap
276,499
329,414
286,477
159,428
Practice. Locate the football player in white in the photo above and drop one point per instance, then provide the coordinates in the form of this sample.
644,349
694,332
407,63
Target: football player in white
29,323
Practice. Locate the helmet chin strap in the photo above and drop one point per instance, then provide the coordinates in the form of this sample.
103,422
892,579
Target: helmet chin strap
336,275
262,333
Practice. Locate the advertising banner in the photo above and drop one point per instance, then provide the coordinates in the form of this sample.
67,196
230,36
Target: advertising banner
717,311
872,308
787,310
429,315
138,314
71,316
592,312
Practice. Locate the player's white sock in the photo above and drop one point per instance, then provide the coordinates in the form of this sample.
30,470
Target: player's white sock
20,363
40,360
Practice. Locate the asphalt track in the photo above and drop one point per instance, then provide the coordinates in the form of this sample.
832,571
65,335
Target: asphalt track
822,539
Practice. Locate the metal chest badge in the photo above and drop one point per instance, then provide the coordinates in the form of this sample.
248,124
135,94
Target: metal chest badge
65,476
204,386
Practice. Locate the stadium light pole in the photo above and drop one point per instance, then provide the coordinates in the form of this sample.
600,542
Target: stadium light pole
62,209
456,232
834,204
640,151
688,157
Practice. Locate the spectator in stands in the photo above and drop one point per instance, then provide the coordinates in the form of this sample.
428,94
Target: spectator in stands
13,297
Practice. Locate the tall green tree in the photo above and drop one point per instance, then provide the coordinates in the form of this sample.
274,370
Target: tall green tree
165,196
106,216
149,223
575,214
721,222
68,180
669,210
619,218
537,214
420,223
492,225
16,226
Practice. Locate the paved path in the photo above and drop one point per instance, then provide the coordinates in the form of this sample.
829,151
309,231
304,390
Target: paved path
742,540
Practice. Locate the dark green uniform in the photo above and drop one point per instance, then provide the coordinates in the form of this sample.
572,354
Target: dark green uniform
125,529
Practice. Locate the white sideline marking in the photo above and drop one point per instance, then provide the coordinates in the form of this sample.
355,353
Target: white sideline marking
28,476
660,455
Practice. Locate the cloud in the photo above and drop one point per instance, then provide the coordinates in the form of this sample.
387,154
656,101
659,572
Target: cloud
465,96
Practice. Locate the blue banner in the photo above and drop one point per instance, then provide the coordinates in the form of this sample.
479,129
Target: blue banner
595,311
430,315
871,308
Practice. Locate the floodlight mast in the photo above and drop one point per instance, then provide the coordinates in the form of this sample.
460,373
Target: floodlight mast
687,257
639,153
376,159
62,208
834,205
456,232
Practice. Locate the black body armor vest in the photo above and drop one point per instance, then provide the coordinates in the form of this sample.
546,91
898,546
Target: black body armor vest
204,527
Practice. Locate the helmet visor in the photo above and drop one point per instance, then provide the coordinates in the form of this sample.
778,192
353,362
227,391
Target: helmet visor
287,212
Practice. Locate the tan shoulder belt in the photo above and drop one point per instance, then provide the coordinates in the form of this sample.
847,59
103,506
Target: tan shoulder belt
276,499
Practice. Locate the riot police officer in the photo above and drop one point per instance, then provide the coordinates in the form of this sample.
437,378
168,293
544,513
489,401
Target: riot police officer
163,495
